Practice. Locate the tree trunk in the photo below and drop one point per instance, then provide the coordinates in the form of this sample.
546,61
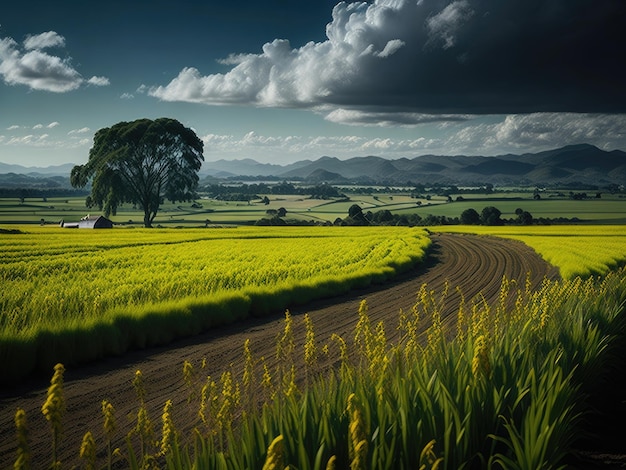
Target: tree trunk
147,220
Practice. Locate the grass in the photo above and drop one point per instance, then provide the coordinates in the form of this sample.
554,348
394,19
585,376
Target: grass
75,295
507,389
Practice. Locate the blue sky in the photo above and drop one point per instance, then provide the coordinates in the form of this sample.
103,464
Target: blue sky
285,80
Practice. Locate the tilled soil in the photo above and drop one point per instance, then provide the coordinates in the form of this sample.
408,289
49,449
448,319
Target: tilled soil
474,264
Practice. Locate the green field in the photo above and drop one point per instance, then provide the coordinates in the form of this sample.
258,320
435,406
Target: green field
597,211
609,209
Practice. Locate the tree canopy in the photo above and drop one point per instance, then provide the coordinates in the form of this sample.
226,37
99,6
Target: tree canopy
490,215
141,162
470,217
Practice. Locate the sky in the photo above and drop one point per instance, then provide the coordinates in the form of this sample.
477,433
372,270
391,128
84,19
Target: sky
287,80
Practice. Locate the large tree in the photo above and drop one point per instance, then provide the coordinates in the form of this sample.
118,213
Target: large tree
141,162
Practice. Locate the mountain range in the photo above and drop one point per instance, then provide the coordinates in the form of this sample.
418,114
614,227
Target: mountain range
582,163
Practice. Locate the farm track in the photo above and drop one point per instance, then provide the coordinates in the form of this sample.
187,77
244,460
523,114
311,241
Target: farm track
476,265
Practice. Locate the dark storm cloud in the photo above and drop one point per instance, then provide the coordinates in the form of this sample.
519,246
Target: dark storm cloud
529,56
435,57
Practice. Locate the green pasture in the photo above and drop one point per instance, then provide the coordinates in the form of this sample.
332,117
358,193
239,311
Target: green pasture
609,209
605,211
12,211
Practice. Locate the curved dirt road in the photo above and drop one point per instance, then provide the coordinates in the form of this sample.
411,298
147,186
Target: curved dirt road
475,264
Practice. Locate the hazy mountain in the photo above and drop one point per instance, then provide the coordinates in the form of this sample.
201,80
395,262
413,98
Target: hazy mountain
324,176
574,163
56,170
28,181
247,167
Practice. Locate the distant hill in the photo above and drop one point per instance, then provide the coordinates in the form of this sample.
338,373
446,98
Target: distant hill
571,164
29,181
55,170
247,167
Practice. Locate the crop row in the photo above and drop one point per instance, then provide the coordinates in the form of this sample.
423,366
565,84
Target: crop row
507,389
78,295
581,250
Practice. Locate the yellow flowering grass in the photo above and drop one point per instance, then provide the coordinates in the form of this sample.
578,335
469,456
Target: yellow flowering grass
509,388
81,294
577,250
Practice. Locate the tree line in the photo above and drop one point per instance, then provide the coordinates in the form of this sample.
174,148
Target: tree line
490,215
249,192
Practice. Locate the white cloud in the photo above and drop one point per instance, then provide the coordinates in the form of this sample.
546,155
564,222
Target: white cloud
38,71
127,96
98,81
43,41
491,135
361,38
29,65
82,130
390,48
405,61
23,140
445,25
37,126
386,119
540,131
395,148
291,148
44,141
379,144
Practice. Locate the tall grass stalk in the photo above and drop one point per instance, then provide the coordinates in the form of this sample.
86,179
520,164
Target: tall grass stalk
54,409
445,400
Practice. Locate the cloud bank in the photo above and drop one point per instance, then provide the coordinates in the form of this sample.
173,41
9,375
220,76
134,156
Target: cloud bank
519,133
46,136
407,60
31,65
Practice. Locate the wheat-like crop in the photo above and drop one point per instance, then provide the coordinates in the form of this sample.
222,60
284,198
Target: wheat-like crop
511,400
84,296
506,391
54,409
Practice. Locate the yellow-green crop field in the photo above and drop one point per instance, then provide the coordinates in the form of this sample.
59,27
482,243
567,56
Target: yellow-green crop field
508,389
577,250
82,294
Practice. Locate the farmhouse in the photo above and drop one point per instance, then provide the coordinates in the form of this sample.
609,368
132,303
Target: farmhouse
95,221
89,221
